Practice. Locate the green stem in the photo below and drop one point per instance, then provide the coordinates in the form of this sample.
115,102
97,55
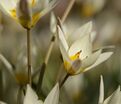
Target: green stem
64,80
29,55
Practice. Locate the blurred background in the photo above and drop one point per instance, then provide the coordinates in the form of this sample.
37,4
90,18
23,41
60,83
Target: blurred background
79,89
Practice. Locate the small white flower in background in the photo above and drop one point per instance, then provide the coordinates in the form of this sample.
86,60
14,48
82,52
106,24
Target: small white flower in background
91,7
27,12
115,98
32,98
77,52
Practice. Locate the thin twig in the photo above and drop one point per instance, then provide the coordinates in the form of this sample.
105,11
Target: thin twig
66,13
42,69
49,50
29,55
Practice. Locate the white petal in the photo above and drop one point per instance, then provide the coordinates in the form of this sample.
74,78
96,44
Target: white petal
120,98
53,23
103,57
75,82
114,98
63,28
2,102
101,96
93,36
35,5
49,7
82,31
39,4
53,97
32,2
87,62
106,47
64,53
43,12
82,45
62,38
41,102
8,5
63,49
31,97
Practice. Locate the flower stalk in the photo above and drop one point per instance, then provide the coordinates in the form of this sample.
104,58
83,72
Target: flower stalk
29,56
64,80
68,10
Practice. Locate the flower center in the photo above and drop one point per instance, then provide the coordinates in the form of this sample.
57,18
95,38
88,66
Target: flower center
74,58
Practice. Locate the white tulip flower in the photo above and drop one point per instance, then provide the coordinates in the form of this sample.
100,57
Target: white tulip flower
77,52
115,98
27,12
32,98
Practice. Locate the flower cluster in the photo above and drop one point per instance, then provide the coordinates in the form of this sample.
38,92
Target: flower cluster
76,50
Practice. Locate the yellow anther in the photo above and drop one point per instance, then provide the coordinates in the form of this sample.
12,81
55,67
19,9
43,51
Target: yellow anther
13,13
76,56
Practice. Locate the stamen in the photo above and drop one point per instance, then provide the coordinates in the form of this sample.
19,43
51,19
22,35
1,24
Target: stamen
76,56
77,62
13,12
